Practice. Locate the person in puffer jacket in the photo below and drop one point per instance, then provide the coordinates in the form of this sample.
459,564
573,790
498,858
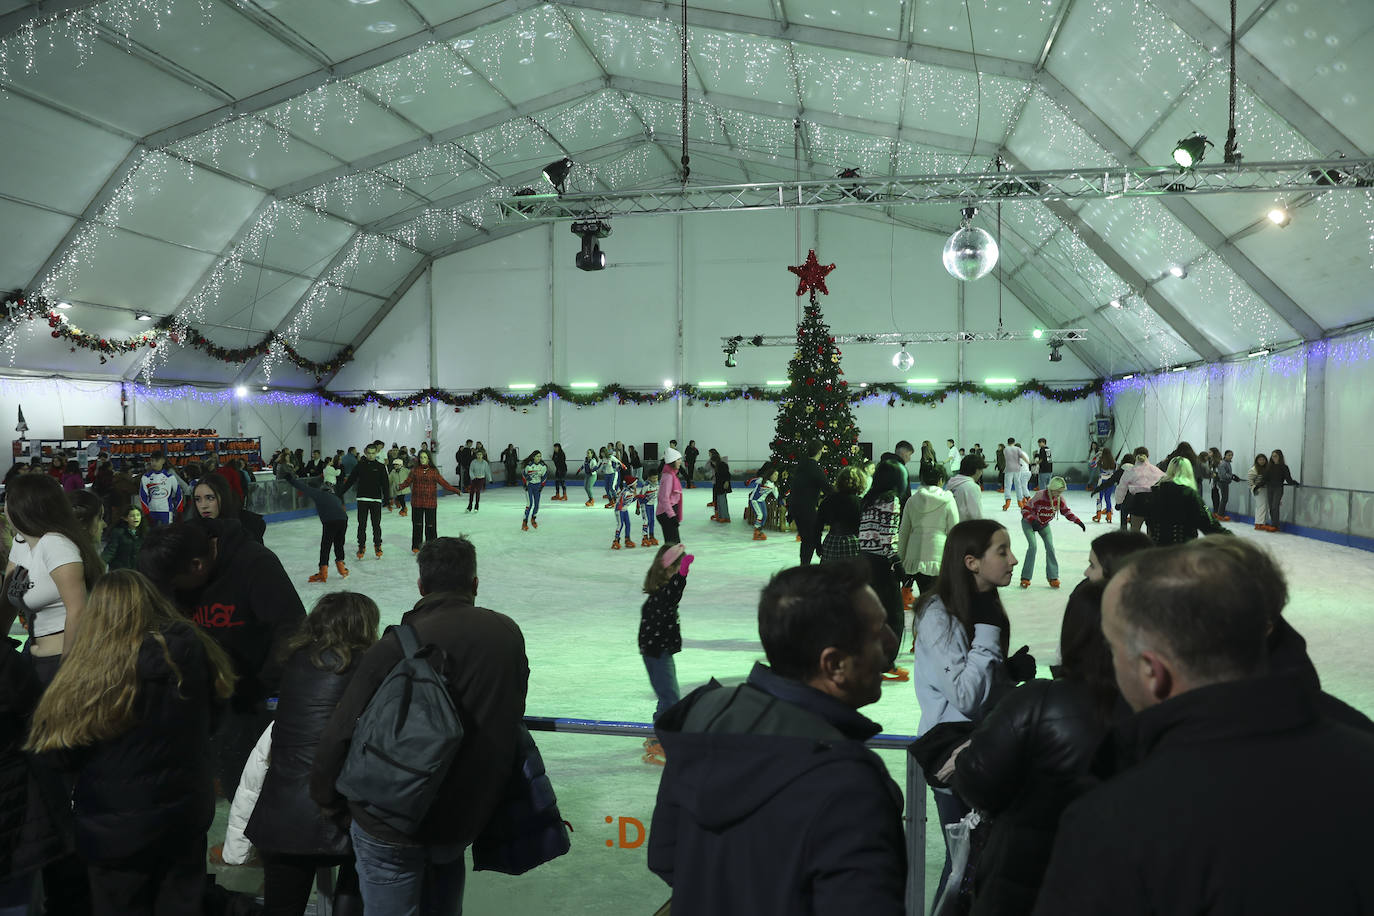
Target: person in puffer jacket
967,488
1035,520
929,516
294,836
133,729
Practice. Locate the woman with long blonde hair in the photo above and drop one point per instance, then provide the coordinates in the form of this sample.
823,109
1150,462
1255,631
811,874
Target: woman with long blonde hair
129,716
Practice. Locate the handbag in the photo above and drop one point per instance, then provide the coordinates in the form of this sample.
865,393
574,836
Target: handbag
526,829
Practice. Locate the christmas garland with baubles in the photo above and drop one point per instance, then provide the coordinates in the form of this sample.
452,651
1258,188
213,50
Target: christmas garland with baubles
894,393
17,307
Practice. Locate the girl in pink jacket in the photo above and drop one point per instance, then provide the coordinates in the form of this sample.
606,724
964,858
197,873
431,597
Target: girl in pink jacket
669,502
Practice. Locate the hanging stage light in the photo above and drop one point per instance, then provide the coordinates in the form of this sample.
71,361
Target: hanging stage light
556,173
591,231
1055,346
1179,271
1190,150
903,360
1280,216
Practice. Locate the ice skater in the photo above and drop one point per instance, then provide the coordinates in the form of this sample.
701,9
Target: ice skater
398,475
760,489
1036,516
424,481
660,632
333,523
610,474
1107,476
589,466
647,504
478,473
1013,484
560,474
625,496
533,473
374,488
1276,474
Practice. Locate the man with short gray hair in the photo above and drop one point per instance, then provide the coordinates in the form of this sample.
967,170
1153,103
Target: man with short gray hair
1237,790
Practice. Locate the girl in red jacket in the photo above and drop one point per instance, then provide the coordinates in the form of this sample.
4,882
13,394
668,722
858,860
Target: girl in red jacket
424,481
1035,519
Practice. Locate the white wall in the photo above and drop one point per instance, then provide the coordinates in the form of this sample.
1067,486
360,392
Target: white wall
50,404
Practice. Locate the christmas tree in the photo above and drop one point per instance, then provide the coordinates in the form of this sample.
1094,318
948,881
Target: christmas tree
816,408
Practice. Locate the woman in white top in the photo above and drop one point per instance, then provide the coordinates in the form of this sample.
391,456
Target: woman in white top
53,564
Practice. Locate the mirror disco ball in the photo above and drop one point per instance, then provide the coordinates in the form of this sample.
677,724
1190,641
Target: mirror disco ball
903,360
970,253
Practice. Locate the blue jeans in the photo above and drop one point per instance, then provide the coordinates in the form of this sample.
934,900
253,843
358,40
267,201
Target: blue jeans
587,483
532,494
1051,561
951,810
408,880
663,678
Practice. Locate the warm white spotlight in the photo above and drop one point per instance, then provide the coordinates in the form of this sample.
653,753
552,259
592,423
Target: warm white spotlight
241,391
1178,270
1280,216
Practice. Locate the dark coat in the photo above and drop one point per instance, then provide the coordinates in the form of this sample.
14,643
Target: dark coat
149,792
254,525
721,483
121,549
808,485
285,820
1177,514
371,479
1239,801
488,673
770,805
250,607
1026,762
660,630
841,512
32,804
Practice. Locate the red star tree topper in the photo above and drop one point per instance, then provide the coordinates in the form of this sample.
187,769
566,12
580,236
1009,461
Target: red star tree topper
816,409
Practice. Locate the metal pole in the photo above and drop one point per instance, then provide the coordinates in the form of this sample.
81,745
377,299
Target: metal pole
915,838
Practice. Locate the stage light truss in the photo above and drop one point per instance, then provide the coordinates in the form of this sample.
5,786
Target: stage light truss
897,338
1313,176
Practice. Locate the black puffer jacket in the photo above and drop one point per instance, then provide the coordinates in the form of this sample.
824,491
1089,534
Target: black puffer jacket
286,820
1177,514
31,797
150,791
1026,762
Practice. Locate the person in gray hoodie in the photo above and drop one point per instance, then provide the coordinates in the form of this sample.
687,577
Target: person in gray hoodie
967,487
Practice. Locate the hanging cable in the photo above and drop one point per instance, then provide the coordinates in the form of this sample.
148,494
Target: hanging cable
686,160
999,254
1228,152
978,85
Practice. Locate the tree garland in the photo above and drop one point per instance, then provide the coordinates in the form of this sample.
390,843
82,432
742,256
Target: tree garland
17,308
893,392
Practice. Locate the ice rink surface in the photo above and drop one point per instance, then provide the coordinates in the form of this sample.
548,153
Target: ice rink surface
578,602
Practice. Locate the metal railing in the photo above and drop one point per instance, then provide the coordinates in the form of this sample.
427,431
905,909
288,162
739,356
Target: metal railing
1346,515
914,818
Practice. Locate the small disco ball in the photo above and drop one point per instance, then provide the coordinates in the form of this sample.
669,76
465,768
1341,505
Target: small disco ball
970,254
903,360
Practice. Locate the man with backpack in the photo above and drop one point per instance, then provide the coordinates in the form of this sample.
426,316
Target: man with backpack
421,791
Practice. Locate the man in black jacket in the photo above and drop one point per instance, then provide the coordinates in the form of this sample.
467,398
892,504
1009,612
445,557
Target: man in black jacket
236,590
770,805
806,486
689,459
374,489
483,660
1239,794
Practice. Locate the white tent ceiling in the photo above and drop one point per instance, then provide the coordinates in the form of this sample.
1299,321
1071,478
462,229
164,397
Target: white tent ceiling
293,165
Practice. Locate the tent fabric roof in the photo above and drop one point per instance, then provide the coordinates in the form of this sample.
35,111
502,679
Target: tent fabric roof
292,165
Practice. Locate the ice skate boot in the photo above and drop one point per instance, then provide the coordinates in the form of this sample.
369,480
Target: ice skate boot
1025,583
525,525
589,503
896,674
1006,505
404,513
711,504
1054,583
378,551
343,570
321,576
630,542
759,535
1097,516
1109,516
615,543
361,554
646,541
534,523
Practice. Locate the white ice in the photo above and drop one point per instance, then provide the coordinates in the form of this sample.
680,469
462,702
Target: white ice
578,601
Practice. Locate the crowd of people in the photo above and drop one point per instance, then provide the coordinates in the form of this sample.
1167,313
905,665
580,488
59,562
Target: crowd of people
170,659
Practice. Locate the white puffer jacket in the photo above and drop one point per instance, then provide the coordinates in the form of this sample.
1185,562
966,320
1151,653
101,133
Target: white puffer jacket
236,845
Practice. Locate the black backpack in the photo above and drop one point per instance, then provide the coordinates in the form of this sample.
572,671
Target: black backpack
404,741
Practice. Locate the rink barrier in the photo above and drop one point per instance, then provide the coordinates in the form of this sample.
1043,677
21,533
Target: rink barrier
914,818
1336,516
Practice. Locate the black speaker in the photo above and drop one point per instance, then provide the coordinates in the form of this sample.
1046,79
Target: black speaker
312,429
649,452
866,449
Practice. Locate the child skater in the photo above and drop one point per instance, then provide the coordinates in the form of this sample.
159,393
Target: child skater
478,472
660,632
333,524
560,474
760,488
533,474
1107,476
398,476
647,499
608,475
625,495
1035,520
589,466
